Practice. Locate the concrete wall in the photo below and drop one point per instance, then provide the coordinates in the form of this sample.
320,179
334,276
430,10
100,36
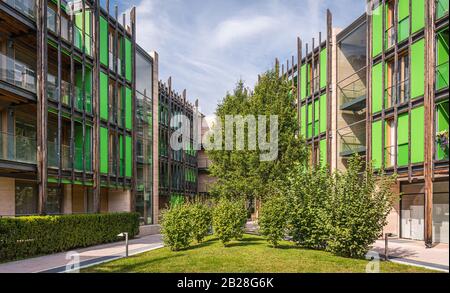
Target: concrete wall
7,196
119,200
393,218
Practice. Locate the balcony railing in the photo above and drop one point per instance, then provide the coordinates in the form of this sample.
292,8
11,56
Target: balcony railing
17,73
353,91
397,94
17,148
352,139
390,37
53,156
26,7
442,73
52,92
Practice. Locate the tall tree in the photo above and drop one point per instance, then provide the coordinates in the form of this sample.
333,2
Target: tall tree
241,173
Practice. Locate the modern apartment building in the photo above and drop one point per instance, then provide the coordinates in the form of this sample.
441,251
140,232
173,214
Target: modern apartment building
178,173
386,91
80,114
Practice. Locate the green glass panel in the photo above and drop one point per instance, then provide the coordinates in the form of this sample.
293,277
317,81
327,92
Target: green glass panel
323,152
377,147
441,8
417,68
128,156
323,68
323,113
442,62
377,88
103,96
418,15
417,135
128,109
103,150
442,119
402,139
303,81
377,30
128,59
303,120
103,41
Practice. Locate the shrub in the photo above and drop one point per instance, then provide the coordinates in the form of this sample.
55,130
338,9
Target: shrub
360,206
176,227
201,218
229,218
37,235
274,218
309,191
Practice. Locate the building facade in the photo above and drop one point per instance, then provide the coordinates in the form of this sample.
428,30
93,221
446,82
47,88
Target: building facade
77,111
386,93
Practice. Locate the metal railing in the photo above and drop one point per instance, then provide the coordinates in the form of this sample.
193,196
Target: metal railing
397,94
353,87
26,7
17,73
390,37
389,156
17,148
442,73
352,139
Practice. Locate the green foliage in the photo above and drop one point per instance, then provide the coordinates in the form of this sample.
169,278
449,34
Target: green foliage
201,217
242,173
176,227
308,193
229,218
359,209
30,236
273,219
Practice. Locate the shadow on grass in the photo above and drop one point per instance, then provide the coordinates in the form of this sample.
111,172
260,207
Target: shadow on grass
139,265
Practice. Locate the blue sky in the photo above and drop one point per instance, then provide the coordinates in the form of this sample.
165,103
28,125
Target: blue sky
208,45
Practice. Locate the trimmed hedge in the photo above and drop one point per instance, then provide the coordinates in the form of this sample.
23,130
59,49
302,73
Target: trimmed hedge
37,235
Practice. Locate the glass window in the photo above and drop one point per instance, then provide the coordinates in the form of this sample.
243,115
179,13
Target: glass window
54,200
26,198
51,19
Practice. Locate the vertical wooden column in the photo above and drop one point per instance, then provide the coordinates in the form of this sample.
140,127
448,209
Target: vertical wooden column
133,105
428,115
41,109
155,137
369,85
96,109
299,84
329,46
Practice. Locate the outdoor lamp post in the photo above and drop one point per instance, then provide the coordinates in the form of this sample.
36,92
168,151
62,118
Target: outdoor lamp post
125,234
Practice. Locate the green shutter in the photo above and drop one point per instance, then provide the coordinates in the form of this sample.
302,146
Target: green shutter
128,156
128,59
323,152
103,41
103,96
316,117
103,150
442,66
418,15
442,119
88,148
323,68
303,81
78,142
417,135
377,88
303,121
377,31
121,156
323,113
377,147
417,68
402,139
128,109
88,89
403,20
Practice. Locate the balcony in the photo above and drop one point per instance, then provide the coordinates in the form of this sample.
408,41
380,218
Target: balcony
26,7
442,74
17,73
17,148
53,156
52,90
397,94
352,139
390,37
352,92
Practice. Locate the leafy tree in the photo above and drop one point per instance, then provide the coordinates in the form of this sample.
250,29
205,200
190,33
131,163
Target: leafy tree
242,173
358,209
201,218
274,218
176,227
229,218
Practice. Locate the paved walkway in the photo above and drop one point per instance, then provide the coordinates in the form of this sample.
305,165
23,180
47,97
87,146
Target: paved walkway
415,253
56,263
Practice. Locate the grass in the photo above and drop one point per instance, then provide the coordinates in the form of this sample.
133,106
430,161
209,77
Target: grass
251,255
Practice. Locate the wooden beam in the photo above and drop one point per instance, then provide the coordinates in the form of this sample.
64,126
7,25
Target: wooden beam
134,111
42,113
96,111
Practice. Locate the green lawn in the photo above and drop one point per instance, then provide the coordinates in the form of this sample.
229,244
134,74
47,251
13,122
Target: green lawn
251,255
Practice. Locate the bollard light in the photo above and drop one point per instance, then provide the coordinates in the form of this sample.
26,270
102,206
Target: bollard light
125,234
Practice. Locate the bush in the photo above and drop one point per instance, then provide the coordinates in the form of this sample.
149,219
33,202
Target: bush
31,236
201,218
229,218
309,193
360,206
274,218
176,227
